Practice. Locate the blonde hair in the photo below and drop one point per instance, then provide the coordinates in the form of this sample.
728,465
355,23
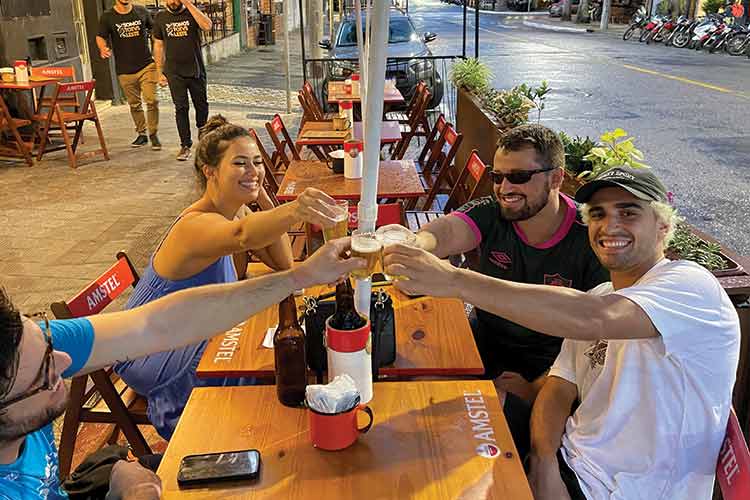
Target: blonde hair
665,214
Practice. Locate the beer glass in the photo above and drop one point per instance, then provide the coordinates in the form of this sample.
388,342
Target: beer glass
340,229
390,235
366,246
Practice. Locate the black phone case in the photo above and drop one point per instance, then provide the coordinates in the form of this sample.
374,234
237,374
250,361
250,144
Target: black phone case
184,482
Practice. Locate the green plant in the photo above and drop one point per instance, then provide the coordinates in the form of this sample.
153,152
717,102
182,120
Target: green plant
536,95
686,245
509,107
712,6
616,149
575,153
472,74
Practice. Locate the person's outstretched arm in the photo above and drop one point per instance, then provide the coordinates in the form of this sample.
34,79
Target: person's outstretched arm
195,314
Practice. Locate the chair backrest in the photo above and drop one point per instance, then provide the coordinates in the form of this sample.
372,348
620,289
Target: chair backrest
308,112
101,292
281,140
68,90
309,94
430,144
446,154
733,469
269,181
417,112
471,177
54,72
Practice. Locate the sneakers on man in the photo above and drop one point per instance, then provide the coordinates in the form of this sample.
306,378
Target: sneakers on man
155,144
139,141
184,153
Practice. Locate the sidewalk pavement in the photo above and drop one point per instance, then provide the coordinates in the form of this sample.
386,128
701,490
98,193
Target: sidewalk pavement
60,227
557,24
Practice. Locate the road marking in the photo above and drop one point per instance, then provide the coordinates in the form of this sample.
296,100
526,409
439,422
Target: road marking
685,80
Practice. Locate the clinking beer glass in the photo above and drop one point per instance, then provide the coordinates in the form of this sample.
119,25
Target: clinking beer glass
366,246
341,228
392,234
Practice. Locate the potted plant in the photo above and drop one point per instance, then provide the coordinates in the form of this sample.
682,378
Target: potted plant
576,150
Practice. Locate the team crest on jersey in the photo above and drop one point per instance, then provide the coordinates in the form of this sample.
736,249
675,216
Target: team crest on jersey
500,259
557,280
597,353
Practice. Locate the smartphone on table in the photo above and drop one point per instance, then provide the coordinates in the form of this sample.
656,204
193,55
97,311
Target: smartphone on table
214,467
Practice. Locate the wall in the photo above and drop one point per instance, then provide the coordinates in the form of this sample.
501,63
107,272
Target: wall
55,28
220,49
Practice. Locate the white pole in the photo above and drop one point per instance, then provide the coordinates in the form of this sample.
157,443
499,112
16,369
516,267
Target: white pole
604,23
285,29
362,56
373,110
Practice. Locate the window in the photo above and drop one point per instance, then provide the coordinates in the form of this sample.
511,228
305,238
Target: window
24,8
38,49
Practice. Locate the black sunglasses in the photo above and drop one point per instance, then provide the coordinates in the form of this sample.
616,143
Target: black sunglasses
43,380
517,177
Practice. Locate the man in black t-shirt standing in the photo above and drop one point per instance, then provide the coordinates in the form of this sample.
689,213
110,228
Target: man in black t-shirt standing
528,233
177,50
127,27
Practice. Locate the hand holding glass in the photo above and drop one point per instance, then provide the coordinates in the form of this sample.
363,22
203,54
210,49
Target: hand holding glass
392,234
366,246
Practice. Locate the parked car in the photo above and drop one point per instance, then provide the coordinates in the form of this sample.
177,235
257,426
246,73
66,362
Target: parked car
556,9
403,43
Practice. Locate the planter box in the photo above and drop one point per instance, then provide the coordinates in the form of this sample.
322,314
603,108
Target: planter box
480,130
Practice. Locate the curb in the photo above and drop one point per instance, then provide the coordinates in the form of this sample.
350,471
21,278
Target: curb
509,12
548,27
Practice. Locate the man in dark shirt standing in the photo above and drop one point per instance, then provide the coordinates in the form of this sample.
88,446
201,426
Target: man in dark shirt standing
177,50
127,27
528,233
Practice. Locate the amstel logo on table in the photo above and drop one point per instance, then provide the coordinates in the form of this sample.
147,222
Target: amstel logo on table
479,416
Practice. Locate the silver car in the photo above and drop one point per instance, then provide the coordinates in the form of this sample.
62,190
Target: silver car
409,51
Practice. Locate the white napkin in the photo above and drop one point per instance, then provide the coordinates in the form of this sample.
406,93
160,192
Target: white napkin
339,395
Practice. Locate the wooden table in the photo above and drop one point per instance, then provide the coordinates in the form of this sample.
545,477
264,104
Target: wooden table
423,444
433,338
336,93
396,179
29,87
390,133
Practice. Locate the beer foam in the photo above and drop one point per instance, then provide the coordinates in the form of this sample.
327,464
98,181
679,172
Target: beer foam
394,237
365,245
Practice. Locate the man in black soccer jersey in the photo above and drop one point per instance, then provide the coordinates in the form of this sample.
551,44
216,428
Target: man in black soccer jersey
529,233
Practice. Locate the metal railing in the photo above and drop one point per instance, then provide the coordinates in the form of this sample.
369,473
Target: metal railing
406,71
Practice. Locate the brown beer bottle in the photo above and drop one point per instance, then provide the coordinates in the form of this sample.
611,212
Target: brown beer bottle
289,355
346,316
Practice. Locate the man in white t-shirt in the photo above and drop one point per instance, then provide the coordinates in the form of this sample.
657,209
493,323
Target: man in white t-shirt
651,357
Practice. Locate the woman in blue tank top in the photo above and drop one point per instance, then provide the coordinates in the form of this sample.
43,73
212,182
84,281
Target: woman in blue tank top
198,249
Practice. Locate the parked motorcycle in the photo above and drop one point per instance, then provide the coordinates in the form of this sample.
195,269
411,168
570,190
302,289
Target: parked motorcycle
638,20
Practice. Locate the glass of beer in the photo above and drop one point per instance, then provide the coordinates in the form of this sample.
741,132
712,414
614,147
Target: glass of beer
341,228
366,246
391,235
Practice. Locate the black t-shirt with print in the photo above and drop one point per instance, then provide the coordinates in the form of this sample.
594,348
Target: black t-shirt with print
182,43
129,38
565,260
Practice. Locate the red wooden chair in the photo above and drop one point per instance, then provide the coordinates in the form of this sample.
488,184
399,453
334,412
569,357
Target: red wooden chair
402,116
62,74
388,213
68,121
309,94
433,145
416,127
12,145
123,407
447,170
733,468
282,141
310,114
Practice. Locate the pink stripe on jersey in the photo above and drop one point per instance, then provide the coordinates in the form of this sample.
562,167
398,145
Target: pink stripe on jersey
562,231
471,223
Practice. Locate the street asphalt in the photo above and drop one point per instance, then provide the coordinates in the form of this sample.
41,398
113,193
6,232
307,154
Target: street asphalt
684,108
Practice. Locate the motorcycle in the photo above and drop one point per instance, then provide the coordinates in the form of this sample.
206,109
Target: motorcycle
638,20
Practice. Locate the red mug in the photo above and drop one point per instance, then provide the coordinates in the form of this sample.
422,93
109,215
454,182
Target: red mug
336,431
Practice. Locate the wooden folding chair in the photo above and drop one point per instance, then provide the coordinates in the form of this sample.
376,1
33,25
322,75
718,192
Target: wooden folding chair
432,146
388,213
69,121
417,126
122,407
317,107
402,116
310,114
472,182
61,74
12,145
281,141
447,171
